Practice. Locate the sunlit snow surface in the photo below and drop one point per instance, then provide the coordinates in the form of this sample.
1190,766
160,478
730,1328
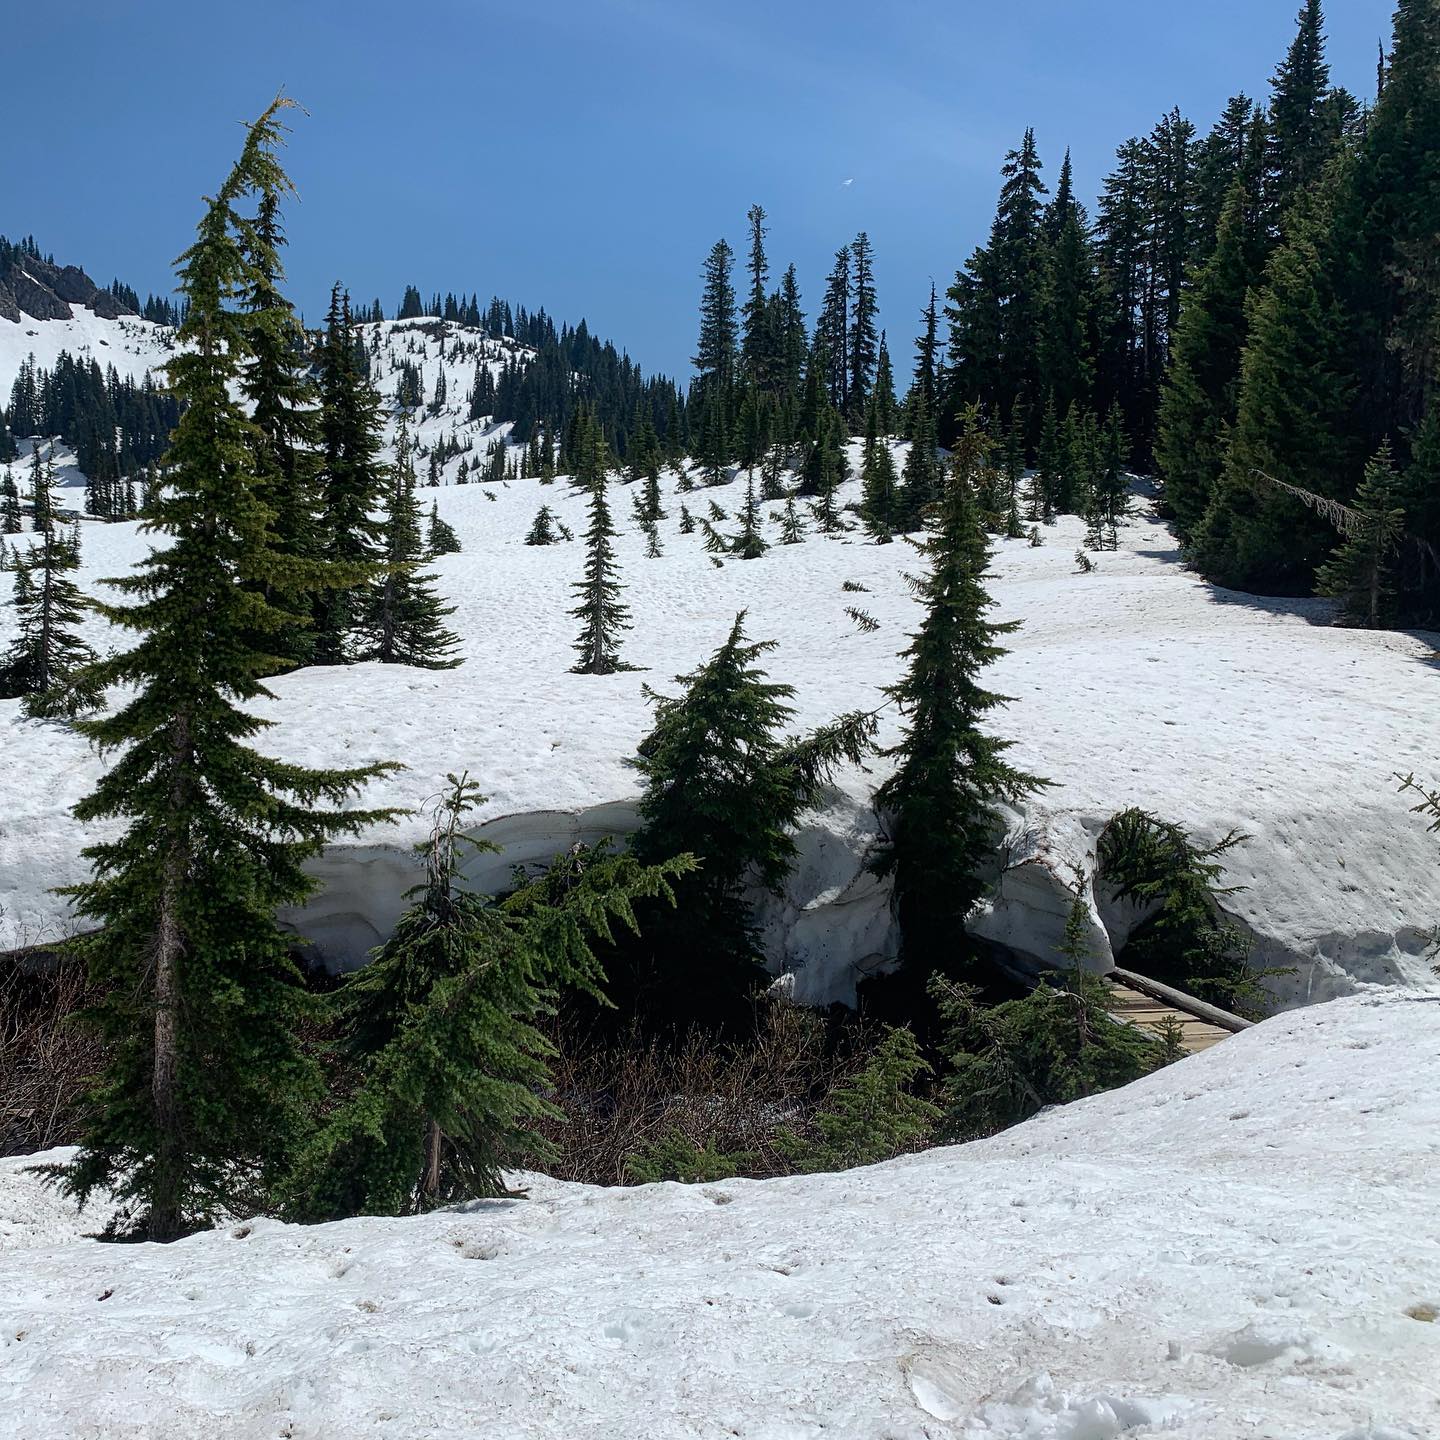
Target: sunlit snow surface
1243,1245
1135,685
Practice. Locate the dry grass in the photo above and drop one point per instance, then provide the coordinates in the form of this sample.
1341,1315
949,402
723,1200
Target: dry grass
46,1058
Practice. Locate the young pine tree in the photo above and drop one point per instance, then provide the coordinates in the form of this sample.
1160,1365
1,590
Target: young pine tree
441,538
10,522
750,543
353,488
542,531
1360,572
48,664
442,1024
722,783
403,622
205,1086
950,773
601,612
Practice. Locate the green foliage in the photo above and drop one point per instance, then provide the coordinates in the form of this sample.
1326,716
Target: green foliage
673,1157
442,539
206,1089
721,783
1187,941
1360,574
442,1024
950,772
603,615
403,619
874,1116
1009,1061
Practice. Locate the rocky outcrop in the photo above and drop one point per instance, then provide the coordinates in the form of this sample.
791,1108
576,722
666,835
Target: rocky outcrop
35,288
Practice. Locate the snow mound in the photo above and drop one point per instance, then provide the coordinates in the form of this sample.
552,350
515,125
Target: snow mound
1199,1255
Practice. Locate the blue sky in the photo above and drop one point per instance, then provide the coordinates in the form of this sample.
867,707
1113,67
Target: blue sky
584,154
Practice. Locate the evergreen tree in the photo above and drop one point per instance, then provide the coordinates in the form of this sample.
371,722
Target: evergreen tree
443,1025
48,664
542,532
441,538
353,483
1290,418
1067,345
403,622
950,773
757,347
10,521
792,530
205,1084
721,783
601,611
864,342
1360,572
282,400
1197,409
832,332
42,495
750,543
887,412
1300,141
716,359
921,474
879,489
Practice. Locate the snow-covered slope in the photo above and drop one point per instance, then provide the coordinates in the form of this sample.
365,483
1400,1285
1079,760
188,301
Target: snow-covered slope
132,345
1137,684
1243,1245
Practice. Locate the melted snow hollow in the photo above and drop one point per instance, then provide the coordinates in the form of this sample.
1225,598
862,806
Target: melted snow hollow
1138,684
1241,1245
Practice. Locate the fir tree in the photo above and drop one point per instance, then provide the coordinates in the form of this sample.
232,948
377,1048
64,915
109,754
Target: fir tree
921,473
722,783
879,489
950,773
750,543
10,521
1197,408
542,532
403,622
792,531
353,482
48,664
42,494
441,537
863,347
443,1025
1360,572
206,1085
601,612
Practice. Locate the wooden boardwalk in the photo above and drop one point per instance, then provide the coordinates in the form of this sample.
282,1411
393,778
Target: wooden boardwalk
1138,1000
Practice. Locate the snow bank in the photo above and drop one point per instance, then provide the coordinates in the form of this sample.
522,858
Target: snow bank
1135,685
1243,1245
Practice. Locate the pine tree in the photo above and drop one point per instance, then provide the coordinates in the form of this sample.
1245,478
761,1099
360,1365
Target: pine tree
792,530
282,400
206,1086
921,473
879,489
10,521
1360,572
42,495
750,543
716,359
443,1025
832,332
542,532
600,610
48,664
1290,418
757,347
1197,408
950,773
1300,142
441,538
403,622
721,783
863,341
354,484
887,412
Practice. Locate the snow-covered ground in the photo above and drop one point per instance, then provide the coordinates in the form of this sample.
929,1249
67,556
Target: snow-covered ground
1243,1245
132,345
1135,685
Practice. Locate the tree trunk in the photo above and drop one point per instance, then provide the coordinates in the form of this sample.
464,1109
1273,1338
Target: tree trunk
430,1176
166,1192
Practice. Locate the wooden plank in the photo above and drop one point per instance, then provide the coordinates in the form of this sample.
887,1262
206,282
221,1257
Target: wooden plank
1178,1000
